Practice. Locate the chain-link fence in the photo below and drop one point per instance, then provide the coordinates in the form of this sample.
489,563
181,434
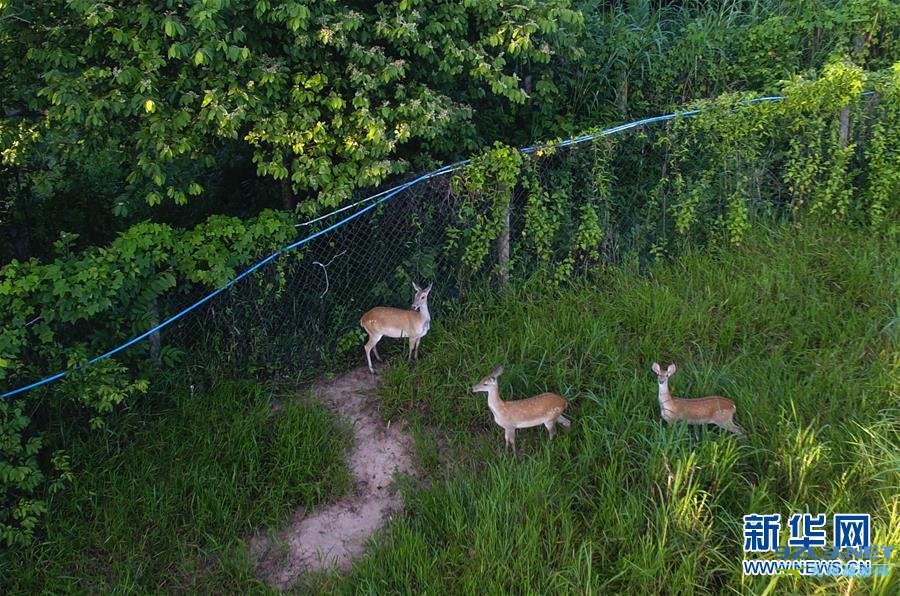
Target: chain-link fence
300,314
632,192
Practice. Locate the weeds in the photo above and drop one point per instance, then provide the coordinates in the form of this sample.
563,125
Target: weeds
166,502
791,326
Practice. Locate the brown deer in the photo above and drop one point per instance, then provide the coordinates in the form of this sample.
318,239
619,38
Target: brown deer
546,409
705,410
384,321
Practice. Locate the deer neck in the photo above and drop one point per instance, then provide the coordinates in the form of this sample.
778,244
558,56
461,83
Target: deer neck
494,402
664,395
424,315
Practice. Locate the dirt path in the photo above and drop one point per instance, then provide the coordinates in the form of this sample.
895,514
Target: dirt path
335,535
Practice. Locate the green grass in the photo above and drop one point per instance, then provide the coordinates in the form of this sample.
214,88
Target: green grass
799,328
163,501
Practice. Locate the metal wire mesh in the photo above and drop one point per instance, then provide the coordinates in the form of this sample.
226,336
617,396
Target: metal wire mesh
299,314
303,311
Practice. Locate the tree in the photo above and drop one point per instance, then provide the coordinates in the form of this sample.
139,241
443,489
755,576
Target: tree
327,96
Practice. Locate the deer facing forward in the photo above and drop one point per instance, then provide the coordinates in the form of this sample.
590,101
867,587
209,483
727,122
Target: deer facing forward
546,409
384,321
705,410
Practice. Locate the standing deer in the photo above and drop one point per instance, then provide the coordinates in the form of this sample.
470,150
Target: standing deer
395,322
705,410
546,409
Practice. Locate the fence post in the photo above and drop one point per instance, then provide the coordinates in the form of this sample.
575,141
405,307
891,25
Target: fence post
844,133
503,245
859,44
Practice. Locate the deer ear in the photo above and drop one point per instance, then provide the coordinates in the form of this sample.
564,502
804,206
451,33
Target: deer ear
497,371
428,289
671,370
416,287
655,368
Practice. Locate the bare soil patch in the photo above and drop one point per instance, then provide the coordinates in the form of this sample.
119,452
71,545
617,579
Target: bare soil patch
334,536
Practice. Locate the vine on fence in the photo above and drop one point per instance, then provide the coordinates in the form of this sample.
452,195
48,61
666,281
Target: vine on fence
715,164
561,211
486,187
882,153
545,206
819,160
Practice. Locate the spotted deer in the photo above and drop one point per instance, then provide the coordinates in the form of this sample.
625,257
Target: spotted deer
704,410
546,409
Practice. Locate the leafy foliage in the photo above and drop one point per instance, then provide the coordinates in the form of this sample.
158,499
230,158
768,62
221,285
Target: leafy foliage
325,94
650,56
55,315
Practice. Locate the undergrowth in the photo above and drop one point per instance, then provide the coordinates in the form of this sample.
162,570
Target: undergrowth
799,327
165,499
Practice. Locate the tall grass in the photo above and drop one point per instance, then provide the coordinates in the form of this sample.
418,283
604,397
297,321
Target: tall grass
165,502
798,327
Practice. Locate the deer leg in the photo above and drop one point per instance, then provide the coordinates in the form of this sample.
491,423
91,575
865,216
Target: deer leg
737,430
370,345
551,424
412,344
511,438
375,351
729,425
418,339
